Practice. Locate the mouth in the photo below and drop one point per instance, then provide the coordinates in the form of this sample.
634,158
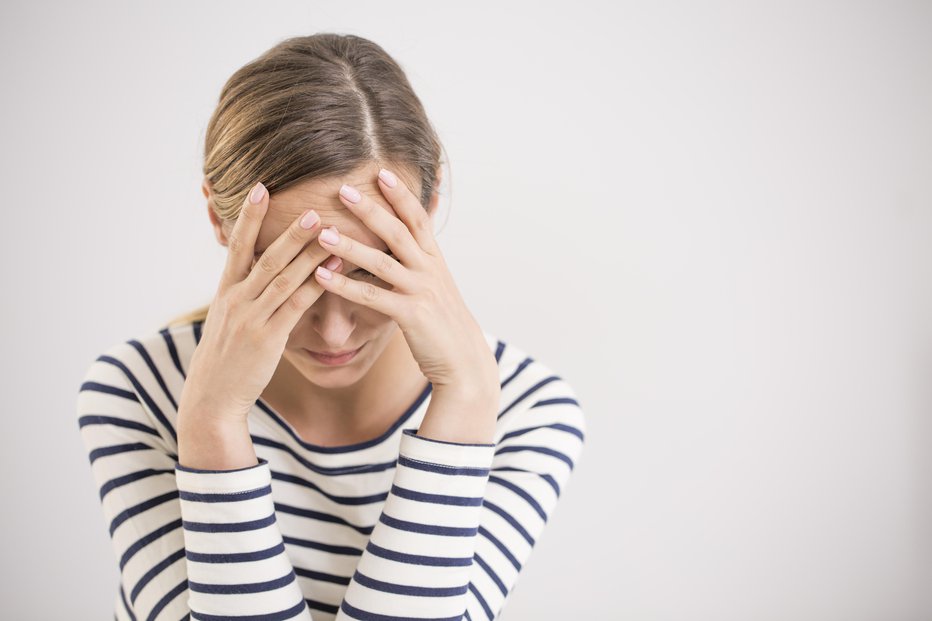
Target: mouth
335,359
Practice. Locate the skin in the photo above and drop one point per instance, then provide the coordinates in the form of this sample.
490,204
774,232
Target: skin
359,400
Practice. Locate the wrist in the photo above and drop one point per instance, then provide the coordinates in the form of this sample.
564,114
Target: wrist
209,441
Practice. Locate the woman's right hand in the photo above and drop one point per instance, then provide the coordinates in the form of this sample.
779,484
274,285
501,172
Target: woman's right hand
252,313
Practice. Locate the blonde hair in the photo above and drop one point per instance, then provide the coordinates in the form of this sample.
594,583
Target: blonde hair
314,106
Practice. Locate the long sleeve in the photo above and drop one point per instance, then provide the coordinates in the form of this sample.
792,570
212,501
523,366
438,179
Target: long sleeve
461,520
189,543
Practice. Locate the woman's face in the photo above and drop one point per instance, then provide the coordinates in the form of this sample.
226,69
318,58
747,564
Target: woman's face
332,323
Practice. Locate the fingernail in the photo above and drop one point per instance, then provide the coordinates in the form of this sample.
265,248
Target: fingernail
329,235
258,191
332,263
389,179
310,219
324,272
350,193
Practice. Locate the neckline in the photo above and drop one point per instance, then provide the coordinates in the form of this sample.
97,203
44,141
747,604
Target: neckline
344,448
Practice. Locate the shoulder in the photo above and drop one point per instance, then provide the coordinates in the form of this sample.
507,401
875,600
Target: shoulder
158,353
148,370
533,391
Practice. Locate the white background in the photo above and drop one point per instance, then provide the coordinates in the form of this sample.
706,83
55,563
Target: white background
713,219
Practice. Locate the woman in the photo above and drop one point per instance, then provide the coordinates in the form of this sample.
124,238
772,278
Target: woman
247,468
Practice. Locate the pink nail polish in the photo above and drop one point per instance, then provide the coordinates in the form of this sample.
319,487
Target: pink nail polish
350,193
389,179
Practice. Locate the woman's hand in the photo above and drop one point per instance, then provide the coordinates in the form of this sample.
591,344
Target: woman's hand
252,313
442,334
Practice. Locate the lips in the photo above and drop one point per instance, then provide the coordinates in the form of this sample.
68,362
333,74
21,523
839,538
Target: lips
335,354
338,359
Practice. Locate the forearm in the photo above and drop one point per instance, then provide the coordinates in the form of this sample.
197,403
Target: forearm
207,441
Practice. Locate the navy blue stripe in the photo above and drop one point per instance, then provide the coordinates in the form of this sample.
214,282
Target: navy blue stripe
129,611
116,449
429,467
173,350
556,400
546,477
246,587
517,371
485,606
406,589
536,449
180,588
501,548
142,393
523,494
157,374
466,614
553,483
313,604
514,523
413,432
361,469
322,576
143,506
146,540
226,497
529,392
109,390
231,527
152,573
437,499
320,516
259,463
430,529
236,557
418,559
488,570
130,478
342,500
290,613
499,349
325,547
99,419
558,426
364,615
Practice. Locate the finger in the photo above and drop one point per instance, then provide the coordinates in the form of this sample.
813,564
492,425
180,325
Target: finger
390,229
379,264
409,208
281,253
241,243
289,313
364,293
295,275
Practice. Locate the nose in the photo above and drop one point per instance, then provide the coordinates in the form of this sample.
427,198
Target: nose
333,318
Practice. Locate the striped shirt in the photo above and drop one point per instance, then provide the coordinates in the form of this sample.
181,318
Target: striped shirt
396,527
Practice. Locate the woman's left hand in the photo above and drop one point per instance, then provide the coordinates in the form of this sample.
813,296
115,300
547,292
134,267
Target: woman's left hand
443,336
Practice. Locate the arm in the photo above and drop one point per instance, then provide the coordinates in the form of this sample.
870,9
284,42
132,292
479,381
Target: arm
461,518
188,541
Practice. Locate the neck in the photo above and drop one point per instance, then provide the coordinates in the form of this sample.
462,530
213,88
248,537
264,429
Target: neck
371,403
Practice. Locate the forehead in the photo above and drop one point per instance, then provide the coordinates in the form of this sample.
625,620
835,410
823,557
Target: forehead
322,195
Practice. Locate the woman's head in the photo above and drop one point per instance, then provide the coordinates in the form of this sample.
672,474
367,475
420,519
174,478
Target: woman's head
309,114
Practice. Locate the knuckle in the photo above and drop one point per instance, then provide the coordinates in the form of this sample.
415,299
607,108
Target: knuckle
266,264
301,299
370,292
281,283
296,234
384,264
399,233
234,243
